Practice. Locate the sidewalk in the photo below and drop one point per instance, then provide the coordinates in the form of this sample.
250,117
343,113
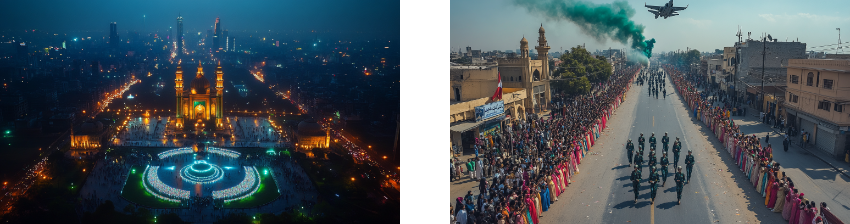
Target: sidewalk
836,163
822,177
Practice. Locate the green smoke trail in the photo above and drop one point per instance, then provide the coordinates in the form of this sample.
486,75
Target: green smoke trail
600,21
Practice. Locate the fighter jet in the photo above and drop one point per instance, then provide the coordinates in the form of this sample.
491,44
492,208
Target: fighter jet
664,11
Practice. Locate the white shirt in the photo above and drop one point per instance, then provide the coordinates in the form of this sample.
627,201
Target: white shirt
461,216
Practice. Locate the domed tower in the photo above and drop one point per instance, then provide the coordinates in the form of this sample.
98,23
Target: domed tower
178,81
200,85
543,55
543,50
523,46
219,92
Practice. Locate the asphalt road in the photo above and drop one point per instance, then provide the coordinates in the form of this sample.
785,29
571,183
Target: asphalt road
602,192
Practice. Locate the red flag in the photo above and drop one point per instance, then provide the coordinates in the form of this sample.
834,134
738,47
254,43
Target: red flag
498,93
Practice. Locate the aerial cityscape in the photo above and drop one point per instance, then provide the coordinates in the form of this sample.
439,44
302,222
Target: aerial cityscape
580,111
220,112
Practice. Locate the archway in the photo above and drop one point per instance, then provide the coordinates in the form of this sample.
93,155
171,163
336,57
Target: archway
536,75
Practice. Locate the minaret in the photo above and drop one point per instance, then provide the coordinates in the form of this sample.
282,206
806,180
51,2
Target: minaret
178,81
543,51
523,46
219,93
543,55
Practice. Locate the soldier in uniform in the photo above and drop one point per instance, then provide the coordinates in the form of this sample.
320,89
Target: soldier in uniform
664,163
680,183
631,149
677,148
653,180
639,161
641,140
635,178
652,159
652,140
665,140
689,161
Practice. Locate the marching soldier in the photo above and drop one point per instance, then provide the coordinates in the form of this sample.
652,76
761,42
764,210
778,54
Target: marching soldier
641,140
652,159
653,180
680,183
665,140
630,148
638,160
636,181
652,140
677,148
689,161
664,163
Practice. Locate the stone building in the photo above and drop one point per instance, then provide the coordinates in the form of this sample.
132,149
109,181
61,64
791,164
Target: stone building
533,75
817,101
199,103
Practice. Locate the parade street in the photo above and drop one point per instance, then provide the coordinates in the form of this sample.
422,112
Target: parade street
602,191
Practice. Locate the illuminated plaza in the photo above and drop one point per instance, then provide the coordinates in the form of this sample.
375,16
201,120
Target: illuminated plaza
199,159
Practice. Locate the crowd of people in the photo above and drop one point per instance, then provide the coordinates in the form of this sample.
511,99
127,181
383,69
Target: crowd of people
142,129
523,169
256,129
752,158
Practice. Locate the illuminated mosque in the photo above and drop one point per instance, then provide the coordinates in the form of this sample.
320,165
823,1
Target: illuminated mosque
199,104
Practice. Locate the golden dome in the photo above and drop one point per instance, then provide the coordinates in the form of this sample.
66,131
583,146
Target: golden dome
200,85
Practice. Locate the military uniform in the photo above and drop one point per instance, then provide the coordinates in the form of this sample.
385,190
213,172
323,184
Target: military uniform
652,159
653,180
664,163
689,161
680,184
638,161
677,148
635,178
665,140
641,140
631,149
652,141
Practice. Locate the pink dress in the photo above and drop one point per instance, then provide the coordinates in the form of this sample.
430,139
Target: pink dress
773,189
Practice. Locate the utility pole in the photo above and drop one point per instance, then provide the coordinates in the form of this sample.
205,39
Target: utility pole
839,41
763,56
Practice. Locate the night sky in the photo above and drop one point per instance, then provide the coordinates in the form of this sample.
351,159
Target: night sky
276,15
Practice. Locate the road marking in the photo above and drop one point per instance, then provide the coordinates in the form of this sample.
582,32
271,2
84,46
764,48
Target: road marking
653,121
652,214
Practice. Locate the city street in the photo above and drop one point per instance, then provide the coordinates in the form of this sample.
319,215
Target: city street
602,191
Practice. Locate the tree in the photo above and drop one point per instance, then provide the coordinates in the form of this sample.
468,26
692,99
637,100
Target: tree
579,69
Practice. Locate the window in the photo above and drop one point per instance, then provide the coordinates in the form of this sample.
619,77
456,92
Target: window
519,79
792,98
512,78
827,83
796,98
824,105
536,75
810,79
839,108
795,79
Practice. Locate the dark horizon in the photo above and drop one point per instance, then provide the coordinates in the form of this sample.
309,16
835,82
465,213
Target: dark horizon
150,16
